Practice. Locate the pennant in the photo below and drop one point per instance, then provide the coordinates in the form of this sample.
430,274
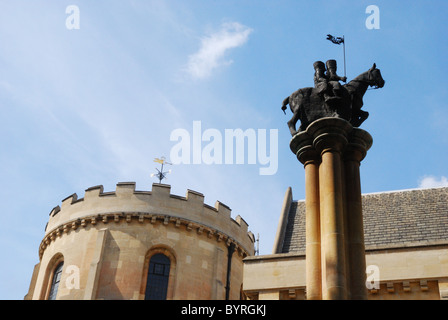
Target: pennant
336,40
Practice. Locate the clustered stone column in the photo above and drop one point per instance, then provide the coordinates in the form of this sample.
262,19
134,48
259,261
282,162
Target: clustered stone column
331,150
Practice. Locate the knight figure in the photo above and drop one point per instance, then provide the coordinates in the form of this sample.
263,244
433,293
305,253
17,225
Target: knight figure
326,81
328,98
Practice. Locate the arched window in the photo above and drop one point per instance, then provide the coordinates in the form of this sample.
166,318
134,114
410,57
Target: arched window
55,281
158,275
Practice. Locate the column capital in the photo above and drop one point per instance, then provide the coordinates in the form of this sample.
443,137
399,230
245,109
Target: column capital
329,134
302,146
359,142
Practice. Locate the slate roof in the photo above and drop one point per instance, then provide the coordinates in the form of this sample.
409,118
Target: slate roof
395,219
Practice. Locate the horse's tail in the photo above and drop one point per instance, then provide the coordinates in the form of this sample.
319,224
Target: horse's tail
284,104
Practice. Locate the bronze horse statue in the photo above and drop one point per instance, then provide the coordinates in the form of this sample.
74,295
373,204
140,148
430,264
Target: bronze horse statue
307,105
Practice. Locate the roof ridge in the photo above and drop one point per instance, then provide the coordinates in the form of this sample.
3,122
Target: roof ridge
392,191
404,190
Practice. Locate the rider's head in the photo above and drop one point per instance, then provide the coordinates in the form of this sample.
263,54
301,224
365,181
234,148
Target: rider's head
332,65
318,65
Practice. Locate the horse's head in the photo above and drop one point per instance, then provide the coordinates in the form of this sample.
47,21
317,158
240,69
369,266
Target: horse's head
374,77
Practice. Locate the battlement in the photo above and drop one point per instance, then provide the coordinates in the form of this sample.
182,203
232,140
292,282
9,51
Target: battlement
126,203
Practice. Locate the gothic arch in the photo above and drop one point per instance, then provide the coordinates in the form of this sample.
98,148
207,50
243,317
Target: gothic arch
169,253
49,273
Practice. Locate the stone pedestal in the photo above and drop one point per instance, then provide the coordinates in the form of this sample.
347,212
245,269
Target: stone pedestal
331,151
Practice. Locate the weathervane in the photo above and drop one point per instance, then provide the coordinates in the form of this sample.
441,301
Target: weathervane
160,174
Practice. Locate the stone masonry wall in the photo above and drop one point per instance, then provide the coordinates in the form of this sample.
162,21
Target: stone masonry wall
107,240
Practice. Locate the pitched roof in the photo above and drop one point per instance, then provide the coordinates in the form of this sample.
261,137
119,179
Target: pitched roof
407,218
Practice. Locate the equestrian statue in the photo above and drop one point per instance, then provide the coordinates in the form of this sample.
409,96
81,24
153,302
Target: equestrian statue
329,98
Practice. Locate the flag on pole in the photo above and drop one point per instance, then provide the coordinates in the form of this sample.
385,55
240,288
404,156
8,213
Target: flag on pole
336,40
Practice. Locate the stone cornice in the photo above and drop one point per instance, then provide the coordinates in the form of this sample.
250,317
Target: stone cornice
141,217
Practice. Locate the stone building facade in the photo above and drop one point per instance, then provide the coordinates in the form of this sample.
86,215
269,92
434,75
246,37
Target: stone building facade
406,241
116,245
139,245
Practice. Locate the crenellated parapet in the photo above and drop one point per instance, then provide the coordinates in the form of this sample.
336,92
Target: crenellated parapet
158,206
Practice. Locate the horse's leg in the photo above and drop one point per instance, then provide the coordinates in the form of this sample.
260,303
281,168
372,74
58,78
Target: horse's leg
357,113
293,121
363,115
354,121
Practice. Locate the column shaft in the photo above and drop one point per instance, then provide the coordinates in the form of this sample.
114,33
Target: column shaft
332,224
359,142
313,242
357,261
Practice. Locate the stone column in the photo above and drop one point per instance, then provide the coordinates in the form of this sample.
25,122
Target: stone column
329,139
308,156
359,141
331,151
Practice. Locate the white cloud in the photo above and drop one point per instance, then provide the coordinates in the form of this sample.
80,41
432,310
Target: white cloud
214,47
433,182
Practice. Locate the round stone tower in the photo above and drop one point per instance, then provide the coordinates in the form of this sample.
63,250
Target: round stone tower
132,244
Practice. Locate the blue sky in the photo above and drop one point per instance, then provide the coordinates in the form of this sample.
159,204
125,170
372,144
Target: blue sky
96,105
